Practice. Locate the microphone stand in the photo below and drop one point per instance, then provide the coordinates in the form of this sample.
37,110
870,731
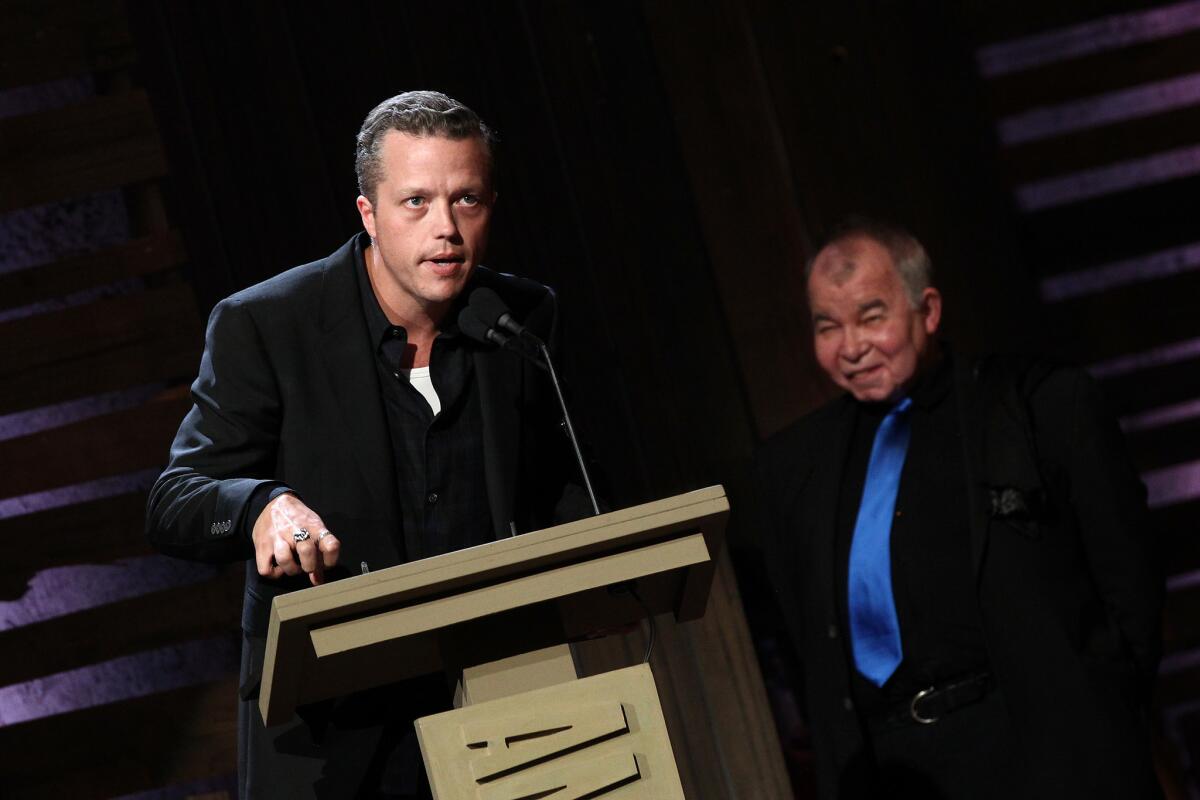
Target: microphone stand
562,403
473,321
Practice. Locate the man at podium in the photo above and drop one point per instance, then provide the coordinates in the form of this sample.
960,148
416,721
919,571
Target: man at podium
342,422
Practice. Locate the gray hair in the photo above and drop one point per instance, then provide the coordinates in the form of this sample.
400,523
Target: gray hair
907,252
420,113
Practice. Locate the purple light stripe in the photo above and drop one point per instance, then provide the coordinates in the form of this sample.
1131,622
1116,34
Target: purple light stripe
1179,662
1175,717
1158,357
65,590
124,678
1171,485
24,423
192,789
1183,581
1154,266
78,493
21,100
1109,179
1096,36
46,233
1104,109
1160,417
79,298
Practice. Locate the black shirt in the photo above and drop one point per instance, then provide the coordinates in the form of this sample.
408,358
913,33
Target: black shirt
439,460
443,502
932,576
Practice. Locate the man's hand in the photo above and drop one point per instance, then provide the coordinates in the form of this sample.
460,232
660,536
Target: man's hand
276,550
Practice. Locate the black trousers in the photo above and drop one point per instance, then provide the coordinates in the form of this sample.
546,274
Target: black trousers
322,752
966,755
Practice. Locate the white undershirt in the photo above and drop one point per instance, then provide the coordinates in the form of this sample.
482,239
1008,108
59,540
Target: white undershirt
420,380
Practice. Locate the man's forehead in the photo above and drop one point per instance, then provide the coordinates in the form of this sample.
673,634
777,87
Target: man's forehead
837,266
840,259
413,161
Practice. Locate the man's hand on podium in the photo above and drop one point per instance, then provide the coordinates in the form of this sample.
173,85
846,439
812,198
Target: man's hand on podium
290,538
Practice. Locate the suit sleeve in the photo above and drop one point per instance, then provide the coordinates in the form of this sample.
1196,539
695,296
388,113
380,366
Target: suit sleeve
224,453
1109,502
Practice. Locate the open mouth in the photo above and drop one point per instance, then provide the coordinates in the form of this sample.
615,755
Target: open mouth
861,374
445,264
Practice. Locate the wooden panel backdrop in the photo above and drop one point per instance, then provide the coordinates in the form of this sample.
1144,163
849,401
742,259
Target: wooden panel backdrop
98,330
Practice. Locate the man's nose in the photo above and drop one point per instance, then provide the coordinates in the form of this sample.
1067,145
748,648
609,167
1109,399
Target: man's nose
445,226
854,345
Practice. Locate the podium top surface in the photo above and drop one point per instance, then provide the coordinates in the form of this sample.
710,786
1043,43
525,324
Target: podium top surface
502,557
342,636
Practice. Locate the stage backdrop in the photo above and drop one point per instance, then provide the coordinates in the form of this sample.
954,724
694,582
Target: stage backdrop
666,166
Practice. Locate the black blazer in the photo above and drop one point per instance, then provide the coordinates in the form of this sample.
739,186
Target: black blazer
288,391
1069,587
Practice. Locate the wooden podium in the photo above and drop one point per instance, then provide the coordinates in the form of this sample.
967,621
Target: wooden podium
501,614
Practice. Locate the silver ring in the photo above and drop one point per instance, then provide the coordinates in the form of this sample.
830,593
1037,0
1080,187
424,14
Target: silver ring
323,534
301,535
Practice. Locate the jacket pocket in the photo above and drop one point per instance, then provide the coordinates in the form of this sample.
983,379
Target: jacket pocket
1019,509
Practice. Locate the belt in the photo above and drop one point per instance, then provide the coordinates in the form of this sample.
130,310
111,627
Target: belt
934,702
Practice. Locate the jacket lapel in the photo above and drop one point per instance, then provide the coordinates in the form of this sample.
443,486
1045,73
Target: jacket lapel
826,485
499,377
1004,473
354,380
970,407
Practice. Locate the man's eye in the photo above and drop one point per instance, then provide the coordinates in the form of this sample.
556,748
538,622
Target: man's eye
469,200
415,202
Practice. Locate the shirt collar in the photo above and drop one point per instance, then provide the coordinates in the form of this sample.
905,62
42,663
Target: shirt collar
379,327
928,390
934,383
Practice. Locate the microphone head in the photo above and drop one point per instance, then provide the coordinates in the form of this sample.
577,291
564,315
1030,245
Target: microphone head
472,326
488,306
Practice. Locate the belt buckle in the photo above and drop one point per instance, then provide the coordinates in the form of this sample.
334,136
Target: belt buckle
912,707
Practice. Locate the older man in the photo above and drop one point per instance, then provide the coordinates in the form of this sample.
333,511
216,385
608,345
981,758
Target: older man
961,552
343,423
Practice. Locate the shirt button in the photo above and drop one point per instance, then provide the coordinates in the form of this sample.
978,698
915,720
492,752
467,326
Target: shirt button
847,704
832,631
395,333
432,498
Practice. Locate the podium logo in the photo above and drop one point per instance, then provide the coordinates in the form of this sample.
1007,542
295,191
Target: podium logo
558,753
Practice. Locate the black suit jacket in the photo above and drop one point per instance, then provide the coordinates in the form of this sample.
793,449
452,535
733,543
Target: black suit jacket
288,391
1062,552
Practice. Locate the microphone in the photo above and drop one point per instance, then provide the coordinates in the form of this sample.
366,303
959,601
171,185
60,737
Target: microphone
474,328
479,320
495,314
471,326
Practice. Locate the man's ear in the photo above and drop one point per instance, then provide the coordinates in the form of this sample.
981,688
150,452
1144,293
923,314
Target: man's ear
931,309
367,212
